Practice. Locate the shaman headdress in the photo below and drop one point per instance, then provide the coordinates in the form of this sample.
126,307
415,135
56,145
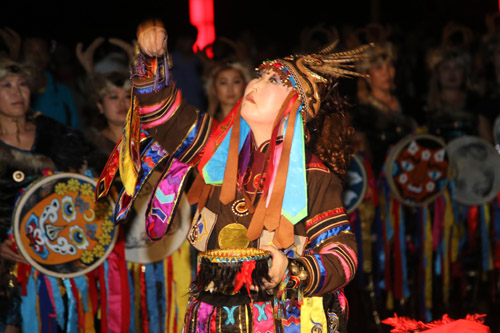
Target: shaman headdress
284,200
311,74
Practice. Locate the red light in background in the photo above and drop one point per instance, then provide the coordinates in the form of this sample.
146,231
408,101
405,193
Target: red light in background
202,17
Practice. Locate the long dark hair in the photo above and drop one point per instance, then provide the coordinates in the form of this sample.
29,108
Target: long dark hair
330,133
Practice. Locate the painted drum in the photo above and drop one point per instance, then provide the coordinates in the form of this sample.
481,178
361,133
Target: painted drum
60,229
417,169
138,247
476,170
357,184
496,134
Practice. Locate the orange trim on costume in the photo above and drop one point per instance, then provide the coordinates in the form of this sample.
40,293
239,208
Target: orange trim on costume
317,166
322,216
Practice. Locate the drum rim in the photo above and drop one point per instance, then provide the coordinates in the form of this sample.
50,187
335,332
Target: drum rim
181,235
450,145
395,150
361,197
16,224
495,125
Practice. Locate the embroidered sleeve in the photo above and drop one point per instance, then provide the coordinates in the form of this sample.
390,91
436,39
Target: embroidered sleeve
179,128
330,258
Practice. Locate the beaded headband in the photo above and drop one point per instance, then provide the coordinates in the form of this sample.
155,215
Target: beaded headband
307,73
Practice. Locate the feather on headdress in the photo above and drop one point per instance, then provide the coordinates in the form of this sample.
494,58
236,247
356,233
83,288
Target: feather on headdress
310,73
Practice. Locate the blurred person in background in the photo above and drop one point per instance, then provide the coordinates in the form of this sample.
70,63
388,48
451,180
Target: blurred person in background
51,97
31,146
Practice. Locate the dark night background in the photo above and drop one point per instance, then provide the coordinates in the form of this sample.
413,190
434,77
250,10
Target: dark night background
275,22
275,25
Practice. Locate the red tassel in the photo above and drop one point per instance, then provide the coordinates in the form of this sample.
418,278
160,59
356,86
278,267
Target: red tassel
168,287
94,296
23,272
144,307
244,276
472,223
120,250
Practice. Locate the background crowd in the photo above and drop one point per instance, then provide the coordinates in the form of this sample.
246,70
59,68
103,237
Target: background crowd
446,83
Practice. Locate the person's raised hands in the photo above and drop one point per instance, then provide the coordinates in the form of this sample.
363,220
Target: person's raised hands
152,38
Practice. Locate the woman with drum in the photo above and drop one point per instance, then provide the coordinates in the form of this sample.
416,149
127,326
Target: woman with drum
31,146
256,213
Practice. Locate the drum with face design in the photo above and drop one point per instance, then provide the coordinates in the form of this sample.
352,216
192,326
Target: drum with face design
60,229
417,169
476,170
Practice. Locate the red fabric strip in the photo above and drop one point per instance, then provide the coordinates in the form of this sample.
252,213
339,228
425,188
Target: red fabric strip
23,272
94,296
168,288
120,250
216,137
144,307
472,223
79,305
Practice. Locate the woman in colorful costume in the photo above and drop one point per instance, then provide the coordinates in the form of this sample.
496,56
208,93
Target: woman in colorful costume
31,147
269,186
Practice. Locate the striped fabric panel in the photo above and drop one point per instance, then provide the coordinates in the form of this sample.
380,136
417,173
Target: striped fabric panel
161,111
193,144
328,227
346,256
147,111
146,86
317,273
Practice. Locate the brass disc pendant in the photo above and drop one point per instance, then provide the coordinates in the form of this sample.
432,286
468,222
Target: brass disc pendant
233,236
